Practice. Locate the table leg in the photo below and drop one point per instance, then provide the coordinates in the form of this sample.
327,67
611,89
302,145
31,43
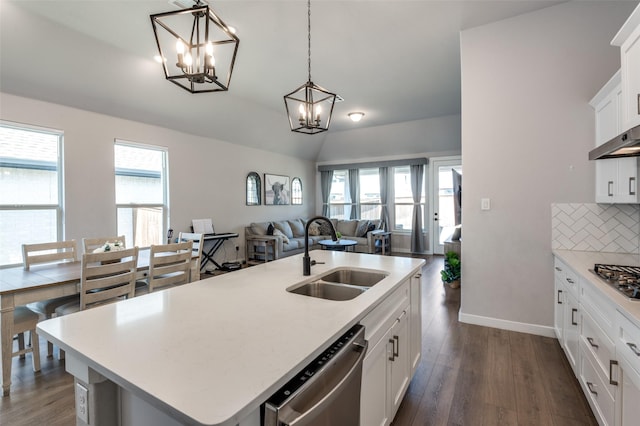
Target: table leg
6,340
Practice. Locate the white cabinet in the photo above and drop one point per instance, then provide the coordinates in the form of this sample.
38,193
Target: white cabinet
628,352
394,334
616,178
628,38
558,311
566,311
572,330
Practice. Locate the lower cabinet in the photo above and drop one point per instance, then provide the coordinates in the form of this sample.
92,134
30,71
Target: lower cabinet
571,330
394,342
628,407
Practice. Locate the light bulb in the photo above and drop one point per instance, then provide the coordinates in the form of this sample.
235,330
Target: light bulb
188,60
179,47
301,109
209,49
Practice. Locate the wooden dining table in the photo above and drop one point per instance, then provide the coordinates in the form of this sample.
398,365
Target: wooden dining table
41,282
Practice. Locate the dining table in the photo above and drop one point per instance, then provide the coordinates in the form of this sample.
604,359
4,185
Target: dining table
41,282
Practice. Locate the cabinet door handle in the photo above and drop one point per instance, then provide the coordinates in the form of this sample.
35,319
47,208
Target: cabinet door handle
610,188
559,269
396,346
573,321
393,351
590,340
418,276
590,386
612,362
559,301
634,348
638,103
632,186
570,281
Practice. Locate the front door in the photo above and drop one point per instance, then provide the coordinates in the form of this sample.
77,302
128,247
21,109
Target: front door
443,193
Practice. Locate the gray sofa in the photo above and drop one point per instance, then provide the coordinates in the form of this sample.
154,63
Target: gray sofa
288,235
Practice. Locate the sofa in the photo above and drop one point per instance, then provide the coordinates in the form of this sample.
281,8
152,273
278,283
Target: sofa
286,237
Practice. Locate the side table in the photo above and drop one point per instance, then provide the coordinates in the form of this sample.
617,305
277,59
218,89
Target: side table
385,241
260,250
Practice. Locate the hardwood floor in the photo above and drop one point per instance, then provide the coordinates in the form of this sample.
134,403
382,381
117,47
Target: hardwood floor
469,375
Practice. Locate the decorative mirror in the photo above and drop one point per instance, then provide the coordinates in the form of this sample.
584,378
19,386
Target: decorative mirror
253,189
296,191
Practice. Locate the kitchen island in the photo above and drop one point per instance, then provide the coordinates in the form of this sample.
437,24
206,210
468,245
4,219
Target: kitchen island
211,352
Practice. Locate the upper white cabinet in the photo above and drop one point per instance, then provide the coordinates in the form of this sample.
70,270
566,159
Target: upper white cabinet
616,178
628,39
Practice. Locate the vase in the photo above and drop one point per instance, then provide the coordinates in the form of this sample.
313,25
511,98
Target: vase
454,284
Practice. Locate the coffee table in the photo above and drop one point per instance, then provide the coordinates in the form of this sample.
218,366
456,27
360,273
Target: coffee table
340,245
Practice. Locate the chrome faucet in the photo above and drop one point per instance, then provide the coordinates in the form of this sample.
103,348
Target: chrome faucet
307,263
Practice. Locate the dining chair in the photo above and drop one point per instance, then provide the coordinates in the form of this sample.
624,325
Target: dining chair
24,319
198,244
105,278
52,252
169,265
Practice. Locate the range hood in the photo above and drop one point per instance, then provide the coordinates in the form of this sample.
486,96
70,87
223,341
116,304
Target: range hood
626,144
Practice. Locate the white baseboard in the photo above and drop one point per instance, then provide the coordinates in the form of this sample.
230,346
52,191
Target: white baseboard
521,327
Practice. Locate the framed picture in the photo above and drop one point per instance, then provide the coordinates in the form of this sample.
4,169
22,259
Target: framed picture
276,190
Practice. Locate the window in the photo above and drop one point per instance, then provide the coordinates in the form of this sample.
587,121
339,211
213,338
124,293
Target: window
141,193
30,189
369,181
339,198
296,191
403,199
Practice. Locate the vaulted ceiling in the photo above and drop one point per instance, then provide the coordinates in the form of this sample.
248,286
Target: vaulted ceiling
395,60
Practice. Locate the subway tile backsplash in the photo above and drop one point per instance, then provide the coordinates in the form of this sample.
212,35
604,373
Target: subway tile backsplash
610,228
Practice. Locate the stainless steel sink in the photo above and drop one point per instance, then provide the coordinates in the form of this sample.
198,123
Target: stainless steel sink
342,284
356,277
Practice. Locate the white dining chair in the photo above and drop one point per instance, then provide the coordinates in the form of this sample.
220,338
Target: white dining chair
169,265
198,244
25,320
43,253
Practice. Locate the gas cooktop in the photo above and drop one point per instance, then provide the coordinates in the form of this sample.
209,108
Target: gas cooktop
626,279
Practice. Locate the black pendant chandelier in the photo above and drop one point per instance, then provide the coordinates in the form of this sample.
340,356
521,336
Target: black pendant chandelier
309,107
197,49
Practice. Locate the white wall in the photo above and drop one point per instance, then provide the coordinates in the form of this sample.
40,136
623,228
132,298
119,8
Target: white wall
207,176
433,137
526,132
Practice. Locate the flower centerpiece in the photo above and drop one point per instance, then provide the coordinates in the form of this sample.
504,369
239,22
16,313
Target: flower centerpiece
108,246
339,235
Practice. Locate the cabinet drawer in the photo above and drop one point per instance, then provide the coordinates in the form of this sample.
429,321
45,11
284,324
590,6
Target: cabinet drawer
595,389
628,343
567,277
382,317
599,347
599,307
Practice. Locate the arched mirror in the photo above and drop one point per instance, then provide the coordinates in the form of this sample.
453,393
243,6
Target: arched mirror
253,189
296,191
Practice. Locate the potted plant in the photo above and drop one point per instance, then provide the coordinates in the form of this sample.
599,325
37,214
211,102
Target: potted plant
451,272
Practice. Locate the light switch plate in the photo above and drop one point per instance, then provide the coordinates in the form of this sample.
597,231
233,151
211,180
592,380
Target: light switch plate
82,403
485,204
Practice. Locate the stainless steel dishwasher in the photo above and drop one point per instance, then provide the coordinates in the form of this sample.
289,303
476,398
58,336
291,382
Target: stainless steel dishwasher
327,391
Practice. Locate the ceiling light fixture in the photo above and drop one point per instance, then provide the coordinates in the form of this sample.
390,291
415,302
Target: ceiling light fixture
307,104
198,50
356,116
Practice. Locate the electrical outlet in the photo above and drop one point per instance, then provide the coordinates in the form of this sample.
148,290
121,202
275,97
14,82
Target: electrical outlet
82,404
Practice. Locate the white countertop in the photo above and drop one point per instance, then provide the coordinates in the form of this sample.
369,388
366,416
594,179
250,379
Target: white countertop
212,351
583,261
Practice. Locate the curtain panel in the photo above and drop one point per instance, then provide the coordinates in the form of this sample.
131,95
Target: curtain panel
417,172
384,191
354,191
326,177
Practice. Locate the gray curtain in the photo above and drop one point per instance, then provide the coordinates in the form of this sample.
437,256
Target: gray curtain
384,190
326,177
354,190
417,172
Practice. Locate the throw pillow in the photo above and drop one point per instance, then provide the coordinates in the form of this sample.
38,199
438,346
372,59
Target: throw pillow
371,227
362,228
260,228
324,228
285,239
283,225
270,229
297,227
314,229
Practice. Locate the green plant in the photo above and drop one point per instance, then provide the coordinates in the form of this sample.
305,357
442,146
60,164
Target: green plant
451,271
338,234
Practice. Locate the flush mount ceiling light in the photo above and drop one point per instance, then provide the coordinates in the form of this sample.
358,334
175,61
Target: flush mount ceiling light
309,107
356,116
197,50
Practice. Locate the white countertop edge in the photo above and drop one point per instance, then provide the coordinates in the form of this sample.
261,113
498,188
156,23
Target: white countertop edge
583,261
383,289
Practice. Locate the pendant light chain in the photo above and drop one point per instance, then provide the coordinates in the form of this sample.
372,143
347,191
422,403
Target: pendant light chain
309,32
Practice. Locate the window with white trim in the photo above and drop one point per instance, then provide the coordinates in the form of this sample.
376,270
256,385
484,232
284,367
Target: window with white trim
403,199
339,198
369,184
30,188
141,193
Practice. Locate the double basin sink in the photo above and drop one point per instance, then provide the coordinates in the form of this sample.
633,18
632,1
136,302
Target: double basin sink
340,284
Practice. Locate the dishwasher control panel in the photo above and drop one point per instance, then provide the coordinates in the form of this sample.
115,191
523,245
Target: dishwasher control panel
319,363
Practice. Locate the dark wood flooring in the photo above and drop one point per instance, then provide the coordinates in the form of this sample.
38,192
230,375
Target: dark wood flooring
469,375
